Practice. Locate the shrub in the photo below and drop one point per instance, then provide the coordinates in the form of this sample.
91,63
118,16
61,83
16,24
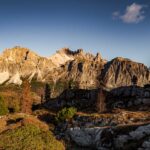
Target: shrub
66,114
29,137
3,107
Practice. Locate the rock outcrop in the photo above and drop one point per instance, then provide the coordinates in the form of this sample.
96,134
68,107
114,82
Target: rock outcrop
129,97
18,63
114,138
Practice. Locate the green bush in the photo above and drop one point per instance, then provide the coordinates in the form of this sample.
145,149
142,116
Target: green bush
66,114
29,137
3,107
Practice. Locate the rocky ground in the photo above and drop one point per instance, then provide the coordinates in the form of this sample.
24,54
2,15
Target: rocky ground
118,130
126,137
124,127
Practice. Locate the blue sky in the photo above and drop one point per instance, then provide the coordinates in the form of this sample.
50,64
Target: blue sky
111,27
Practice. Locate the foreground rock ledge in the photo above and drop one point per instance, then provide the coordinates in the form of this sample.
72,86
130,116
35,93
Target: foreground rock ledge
116,138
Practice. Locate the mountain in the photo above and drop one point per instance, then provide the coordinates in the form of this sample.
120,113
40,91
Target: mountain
87,70
17,63
120,72
83,69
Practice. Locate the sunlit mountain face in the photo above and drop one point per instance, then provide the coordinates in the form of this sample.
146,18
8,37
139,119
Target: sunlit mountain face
114,27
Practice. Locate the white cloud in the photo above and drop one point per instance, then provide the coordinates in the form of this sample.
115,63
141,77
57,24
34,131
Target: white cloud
133,14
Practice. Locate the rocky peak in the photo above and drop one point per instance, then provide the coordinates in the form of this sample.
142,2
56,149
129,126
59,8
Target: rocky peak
121,59
19,54
61,57
65,54
67,51
120,72
88,70
98,57
17,63
79,54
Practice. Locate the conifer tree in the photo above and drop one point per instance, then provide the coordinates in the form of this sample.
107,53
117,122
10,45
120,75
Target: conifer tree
47,95
101,104
26,101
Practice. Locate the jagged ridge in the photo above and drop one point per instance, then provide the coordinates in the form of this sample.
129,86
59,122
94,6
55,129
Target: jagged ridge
88,70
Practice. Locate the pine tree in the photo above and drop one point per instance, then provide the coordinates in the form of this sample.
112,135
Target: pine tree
47,95
26,102
101,98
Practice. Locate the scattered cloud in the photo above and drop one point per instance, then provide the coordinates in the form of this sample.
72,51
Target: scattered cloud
133,14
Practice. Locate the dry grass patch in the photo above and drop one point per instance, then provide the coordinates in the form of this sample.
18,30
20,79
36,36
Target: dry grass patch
29,137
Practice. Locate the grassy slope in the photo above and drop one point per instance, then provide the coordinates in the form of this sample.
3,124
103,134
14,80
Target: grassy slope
27,134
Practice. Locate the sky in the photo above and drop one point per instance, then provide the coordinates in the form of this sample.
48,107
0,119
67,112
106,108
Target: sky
111,27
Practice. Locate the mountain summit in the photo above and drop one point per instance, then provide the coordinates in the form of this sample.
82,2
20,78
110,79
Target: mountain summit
87,70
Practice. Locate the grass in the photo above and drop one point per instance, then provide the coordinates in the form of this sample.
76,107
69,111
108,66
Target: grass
29,137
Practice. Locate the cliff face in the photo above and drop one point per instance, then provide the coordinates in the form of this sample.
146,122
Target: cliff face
84,70
17,63
87,70
121,71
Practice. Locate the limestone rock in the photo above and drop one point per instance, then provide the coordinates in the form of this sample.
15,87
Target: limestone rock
114,138
120,72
